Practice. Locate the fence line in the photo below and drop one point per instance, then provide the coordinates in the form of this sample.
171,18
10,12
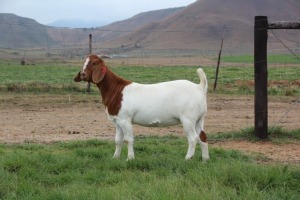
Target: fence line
80,36
74,42
239,57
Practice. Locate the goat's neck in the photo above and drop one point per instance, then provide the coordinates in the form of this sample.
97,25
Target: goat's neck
111,87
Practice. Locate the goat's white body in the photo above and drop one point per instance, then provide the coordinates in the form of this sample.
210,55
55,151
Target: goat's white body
163,104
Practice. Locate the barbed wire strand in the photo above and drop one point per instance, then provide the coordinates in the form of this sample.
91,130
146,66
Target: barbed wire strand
290,50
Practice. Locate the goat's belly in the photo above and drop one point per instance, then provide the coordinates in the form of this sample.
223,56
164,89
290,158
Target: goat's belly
155,122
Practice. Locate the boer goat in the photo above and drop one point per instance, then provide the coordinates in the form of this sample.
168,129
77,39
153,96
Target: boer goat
152,105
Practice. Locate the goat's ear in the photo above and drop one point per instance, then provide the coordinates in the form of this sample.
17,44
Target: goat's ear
77,78
98,74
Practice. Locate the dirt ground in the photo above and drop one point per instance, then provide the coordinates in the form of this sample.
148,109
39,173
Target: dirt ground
51,118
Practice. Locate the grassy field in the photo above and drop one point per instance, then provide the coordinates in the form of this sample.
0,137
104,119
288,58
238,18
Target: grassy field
85,170
278,59
59,78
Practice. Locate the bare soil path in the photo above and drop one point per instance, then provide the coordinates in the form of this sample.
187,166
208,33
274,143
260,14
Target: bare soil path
51,118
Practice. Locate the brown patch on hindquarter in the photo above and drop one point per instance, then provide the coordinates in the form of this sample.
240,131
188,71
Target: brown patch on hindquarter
202,136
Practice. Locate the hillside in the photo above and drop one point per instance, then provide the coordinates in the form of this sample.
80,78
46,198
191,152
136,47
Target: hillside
200,26
20,32
137,21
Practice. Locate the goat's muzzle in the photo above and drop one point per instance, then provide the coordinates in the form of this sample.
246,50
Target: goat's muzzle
83,76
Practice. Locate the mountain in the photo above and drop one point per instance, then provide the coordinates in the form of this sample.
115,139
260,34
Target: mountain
20,32
199,26
134,23
204,23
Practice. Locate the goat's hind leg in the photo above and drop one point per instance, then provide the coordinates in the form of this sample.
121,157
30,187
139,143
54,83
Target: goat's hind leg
189,129
204,147
202,140
119,139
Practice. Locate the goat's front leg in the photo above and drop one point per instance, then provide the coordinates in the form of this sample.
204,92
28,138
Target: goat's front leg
192,140
119,139
128,137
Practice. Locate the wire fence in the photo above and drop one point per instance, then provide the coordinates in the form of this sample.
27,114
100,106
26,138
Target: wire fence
47,66
34,41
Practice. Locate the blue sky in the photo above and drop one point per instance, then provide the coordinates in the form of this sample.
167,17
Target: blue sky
108,11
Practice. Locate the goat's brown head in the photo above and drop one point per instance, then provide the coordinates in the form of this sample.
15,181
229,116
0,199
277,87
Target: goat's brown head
93,70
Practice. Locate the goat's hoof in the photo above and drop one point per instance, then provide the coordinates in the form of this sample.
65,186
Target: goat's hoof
116,157
128,159
188,157
204,160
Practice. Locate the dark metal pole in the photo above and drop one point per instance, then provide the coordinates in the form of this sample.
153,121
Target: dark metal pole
261,76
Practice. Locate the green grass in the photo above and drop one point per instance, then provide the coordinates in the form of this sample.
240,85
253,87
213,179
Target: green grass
37,78
58,78
85,170
276,134
272,58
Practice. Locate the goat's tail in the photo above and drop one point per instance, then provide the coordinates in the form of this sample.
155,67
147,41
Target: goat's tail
203,80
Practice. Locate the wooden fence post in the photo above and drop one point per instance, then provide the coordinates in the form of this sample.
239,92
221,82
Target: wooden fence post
261,76
90,44
218,66
88,87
